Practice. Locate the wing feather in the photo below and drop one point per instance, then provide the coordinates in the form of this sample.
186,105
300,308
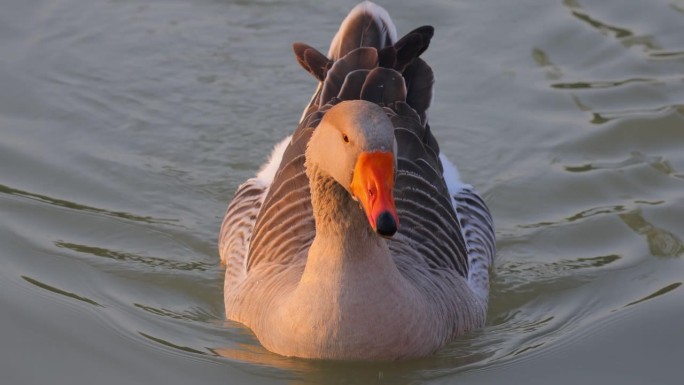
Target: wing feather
441,228
236,230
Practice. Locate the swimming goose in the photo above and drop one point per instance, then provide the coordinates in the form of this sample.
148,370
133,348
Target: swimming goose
357,240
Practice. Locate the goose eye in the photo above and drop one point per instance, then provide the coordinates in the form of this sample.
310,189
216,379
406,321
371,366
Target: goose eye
345,138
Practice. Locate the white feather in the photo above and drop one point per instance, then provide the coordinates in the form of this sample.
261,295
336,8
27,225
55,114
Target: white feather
452,177
269,169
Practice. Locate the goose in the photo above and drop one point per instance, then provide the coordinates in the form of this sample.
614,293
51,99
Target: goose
357,240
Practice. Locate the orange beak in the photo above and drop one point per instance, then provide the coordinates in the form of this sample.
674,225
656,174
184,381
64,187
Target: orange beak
372,185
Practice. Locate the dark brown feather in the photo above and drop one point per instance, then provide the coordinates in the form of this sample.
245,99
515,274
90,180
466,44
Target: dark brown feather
429,230
316,63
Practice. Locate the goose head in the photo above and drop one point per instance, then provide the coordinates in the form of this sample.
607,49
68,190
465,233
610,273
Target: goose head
354,144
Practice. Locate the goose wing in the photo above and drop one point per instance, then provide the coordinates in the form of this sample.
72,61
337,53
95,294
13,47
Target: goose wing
284,228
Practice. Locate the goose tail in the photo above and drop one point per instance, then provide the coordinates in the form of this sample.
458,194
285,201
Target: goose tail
367,25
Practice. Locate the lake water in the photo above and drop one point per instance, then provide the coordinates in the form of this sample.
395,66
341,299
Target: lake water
126,126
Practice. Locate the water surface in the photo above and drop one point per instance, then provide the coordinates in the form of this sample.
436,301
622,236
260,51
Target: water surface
125,127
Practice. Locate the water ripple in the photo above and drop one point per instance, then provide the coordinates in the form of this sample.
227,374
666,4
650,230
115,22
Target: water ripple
661,242
605,84
185,349
59,291
576,10
636,158
153,262
584,214
195,315
77,206
657,293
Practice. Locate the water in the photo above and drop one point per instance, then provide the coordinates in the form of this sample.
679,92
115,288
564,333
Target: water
127,125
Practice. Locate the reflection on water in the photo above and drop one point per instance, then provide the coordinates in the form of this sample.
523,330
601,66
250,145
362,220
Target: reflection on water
527,272
171,345
624,35
526,313
553,72
612,115
658,293
453,359
635,158
195,315
602,117
661,243
76,206
603,84
576,10
130,257
617,87
596,117
584,214
59,291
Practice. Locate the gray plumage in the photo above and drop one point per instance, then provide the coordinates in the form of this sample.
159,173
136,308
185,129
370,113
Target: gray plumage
415,291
